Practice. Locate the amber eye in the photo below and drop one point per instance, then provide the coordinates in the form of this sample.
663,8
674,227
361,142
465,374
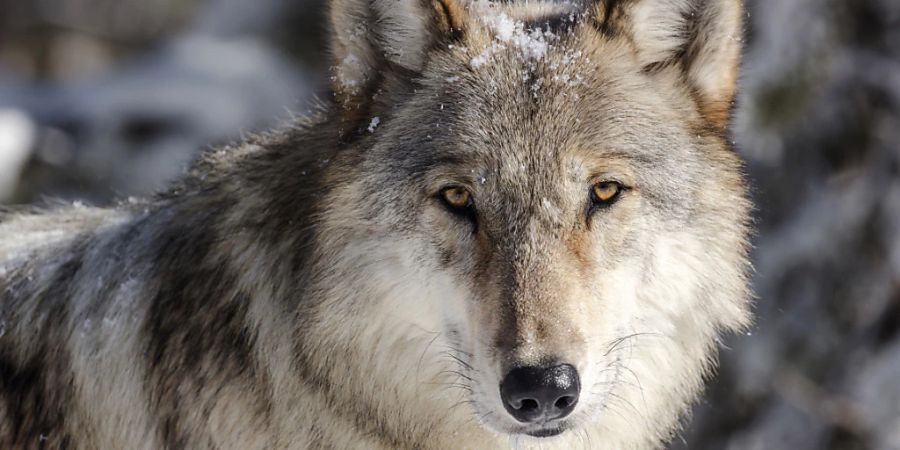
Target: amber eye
457,198
606,192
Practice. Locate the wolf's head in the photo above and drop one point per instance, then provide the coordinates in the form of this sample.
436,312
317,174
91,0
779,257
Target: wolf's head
558,178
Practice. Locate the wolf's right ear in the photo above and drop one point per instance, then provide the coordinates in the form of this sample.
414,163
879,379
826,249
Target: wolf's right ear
372,37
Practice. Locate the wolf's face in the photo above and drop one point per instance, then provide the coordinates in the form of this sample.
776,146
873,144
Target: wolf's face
564,181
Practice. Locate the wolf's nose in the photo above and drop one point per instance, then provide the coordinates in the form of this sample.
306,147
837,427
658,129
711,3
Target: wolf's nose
540,394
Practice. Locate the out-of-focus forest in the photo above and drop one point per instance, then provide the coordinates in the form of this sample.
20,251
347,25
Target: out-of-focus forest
105,99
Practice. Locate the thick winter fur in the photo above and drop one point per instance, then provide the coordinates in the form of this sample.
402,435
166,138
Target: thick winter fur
307,289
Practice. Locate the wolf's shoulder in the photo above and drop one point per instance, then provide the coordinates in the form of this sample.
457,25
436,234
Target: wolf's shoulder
26,232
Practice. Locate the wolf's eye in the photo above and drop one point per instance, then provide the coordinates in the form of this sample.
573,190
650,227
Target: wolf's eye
606,193
457,199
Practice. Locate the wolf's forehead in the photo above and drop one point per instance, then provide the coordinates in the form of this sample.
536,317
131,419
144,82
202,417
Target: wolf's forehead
542,60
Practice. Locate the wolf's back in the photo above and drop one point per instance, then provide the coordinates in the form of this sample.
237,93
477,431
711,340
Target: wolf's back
25,235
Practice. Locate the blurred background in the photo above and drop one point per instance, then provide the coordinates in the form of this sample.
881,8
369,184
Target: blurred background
105,99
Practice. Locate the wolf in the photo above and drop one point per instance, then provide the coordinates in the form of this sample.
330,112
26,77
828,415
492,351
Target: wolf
512,225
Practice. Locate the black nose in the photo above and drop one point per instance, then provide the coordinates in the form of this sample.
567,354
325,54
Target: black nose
540,394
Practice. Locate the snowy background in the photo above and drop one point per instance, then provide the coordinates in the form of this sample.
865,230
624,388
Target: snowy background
103,99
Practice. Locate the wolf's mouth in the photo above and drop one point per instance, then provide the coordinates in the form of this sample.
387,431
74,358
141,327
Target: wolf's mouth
546,432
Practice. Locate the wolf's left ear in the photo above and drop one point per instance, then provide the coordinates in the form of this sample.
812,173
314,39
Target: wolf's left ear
702,36
372,37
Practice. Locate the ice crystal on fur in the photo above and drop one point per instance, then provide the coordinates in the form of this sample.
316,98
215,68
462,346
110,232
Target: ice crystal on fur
532,45
374,124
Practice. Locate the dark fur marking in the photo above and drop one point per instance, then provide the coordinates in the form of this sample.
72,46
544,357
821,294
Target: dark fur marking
37,392
294,168
608,23
559,25
197,338
450,22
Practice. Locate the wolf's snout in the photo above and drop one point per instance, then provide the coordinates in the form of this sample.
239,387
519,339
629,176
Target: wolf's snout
540,394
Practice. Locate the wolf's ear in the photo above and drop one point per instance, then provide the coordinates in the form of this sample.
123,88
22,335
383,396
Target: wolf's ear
371,37
702,36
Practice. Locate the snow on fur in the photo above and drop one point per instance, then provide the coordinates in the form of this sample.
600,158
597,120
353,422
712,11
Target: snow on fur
532,45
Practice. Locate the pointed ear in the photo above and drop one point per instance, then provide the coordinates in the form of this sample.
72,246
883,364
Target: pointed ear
703,37
370,37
